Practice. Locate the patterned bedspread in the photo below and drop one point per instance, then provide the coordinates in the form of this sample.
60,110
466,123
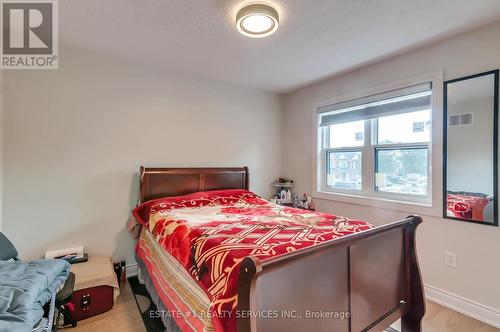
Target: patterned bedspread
210,233
466,206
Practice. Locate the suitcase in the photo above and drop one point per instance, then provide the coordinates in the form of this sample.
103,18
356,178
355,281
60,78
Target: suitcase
91,301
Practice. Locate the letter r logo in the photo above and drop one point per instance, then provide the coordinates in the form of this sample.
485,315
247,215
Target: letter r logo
27,27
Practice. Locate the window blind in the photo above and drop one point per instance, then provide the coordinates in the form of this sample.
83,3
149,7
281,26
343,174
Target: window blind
409,99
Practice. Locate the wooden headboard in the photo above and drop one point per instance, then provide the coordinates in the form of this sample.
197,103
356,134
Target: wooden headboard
166,182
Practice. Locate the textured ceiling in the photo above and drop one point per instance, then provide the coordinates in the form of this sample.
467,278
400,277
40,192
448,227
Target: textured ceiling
316,39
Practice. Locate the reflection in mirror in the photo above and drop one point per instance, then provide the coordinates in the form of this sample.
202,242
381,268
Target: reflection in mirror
471,106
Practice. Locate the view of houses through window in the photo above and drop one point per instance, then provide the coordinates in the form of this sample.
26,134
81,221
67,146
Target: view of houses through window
398,145
344,170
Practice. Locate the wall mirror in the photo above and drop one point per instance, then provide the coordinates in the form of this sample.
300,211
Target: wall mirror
471,149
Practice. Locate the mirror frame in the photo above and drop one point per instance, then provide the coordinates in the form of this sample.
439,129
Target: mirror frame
495,74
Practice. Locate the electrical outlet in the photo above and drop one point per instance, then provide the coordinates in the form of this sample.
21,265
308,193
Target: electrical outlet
450,259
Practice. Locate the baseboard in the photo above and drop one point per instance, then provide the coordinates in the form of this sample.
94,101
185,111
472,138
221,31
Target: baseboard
464,306
131,270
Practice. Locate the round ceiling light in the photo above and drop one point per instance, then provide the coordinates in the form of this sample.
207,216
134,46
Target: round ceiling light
257,20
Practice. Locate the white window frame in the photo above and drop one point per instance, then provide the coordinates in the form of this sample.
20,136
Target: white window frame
429,205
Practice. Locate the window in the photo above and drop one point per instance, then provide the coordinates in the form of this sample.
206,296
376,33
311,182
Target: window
401,170
344,170
347,134
378,146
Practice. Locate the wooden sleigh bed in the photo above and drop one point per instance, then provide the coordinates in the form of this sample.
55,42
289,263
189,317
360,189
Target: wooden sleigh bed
373,275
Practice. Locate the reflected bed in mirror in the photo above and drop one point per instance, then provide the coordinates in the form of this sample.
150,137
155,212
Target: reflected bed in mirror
470,148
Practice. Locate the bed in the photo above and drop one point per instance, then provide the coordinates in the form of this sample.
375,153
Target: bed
468,205
363,280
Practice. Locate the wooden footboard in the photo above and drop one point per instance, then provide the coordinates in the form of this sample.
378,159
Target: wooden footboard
360,282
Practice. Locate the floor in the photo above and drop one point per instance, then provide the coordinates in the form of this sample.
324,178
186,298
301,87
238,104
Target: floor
125,318
440,319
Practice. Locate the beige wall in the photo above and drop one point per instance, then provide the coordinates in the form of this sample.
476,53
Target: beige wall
477,276
75,138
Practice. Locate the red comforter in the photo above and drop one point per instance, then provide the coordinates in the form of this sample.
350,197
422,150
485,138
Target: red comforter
210,233
466,206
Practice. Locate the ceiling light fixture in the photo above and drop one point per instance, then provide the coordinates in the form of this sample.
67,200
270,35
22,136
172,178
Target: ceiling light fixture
257,20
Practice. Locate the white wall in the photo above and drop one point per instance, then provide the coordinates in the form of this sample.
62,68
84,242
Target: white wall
477,276
75,138
470,152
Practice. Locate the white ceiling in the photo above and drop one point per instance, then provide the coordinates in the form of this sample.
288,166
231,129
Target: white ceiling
316,38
